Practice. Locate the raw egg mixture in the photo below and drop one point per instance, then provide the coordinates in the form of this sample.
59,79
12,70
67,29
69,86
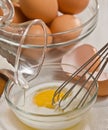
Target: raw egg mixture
39,98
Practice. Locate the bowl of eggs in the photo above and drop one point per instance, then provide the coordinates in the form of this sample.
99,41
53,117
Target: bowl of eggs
67,22
34,107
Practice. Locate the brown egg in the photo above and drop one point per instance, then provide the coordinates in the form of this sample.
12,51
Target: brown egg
65,23
3,81
103,84
16,1
72,6
19,16
33,55
36,37
79,55
39,9
1,12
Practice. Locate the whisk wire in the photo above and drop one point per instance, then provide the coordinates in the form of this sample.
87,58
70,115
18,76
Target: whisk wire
94,59
68,92
83,100
79,69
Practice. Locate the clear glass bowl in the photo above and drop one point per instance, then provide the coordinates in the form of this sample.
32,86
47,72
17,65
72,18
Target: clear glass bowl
51,75
10,36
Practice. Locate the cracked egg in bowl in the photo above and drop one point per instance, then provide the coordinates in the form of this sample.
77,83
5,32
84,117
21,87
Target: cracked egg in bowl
34,107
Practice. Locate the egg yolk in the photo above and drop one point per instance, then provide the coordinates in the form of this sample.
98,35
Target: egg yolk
44,98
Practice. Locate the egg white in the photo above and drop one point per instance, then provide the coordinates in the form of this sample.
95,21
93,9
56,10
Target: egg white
29,106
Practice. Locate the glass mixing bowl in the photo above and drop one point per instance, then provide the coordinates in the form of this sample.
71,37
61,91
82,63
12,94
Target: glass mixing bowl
51,76
11,35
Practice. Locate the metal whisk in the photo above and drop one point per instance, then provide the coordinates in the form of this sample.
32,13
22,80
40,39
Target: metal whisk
80,74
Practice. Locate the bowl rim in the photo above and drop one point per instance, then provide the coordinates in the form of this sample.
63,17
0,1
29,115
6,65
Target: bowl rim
65,43
74,113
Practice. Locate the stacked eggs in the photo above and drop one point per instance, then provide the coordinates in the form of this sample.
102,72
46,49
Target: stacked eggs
59,16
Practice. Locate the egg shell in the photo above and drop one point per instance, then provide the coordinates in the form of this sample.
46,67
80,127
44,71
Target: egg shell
72,6
79,55
65,23
103,84
39,9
